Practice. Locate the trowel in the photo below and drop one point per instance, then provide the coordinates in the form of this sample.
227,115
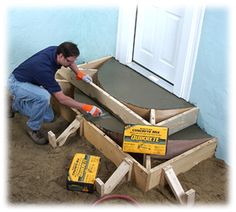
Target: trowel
89,117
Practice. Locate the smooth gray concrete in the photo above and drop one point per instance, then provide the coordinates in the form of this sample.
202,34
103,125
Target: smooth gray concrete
130,87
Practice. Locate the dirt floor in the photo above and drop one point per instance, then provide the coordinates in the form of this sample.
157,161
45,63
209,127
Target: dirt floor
37,174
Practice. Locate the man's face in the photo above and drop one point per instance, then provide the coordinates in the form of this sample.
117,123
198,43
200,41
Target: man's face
65,61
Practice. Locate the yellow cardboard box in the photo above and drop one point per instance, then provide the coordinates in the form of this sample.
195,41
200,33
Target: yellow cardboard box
146,139
82,172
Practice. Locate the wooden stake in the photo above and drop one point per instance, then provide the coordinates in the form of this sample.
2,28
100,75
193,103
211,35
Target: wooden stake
153,116
52,139
147,158
190,196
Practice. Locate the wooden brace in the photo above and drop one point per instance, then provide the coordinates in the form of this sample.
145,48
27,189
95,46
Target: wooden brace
120,173
182,196
71,129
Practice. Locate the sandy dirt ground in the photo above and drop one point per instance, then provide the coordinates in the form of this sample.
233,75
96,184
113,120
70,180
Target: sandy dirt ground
37,174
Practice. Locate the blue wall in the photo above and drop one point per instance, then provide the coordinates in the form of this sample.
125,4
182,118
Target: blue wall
94,29
210,89
31,29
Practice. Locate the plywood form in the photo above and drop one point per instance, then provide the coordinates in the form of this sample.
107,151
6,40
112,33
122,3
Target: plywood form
95,92
175,124
145,179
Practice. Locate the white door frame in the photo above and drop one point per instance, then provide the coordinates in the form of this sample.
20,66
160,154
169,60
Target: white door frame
124,49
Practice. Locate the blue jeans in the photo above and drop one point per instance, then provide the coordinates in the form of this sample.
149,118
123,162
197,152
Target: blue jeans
32,101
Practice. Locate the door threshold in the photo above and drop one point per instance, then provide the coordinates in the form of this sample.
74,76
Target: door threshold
152,77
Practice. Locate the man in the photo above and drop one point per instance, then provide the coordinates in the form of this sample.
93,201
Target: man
32,83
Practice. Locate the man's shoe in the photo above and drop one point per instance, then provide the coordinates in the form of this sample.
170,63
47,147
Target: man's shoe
37,136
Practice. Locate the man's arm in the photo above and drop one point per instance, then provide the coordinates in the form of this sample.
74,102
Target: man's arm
80,75
68,101
74,68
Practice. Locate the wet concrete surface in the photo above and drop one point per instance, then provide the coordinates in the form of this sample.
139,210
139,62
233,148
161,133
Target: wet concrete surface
130,87
177,143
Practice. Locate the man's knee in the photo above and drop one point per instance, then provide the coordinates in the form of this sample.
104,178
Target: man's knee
44,98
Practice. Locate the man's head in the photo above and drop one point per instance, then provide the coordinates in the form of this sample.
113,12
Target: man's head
67,53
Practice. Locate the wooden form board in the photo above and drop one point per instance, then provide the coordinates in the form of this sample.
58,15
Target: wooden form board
117,108
180,121
175,124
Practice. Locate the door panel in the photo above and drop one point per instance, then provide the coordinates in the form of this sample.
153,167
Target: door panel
144,50
158,39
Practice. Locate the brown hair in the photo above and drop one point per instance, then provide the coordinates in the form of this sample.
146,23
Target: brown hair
68,49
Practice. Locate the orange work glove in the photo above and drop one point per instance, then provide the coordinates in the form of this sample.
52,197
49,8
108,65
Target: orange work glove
93,110
82,76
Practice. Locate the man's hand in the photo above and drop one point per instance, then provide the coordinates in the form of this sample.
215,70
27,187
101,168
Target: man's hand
82,76
93,110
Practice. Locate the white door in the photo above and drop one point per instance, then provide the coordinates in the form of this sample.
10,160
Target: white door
158,39
164,45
